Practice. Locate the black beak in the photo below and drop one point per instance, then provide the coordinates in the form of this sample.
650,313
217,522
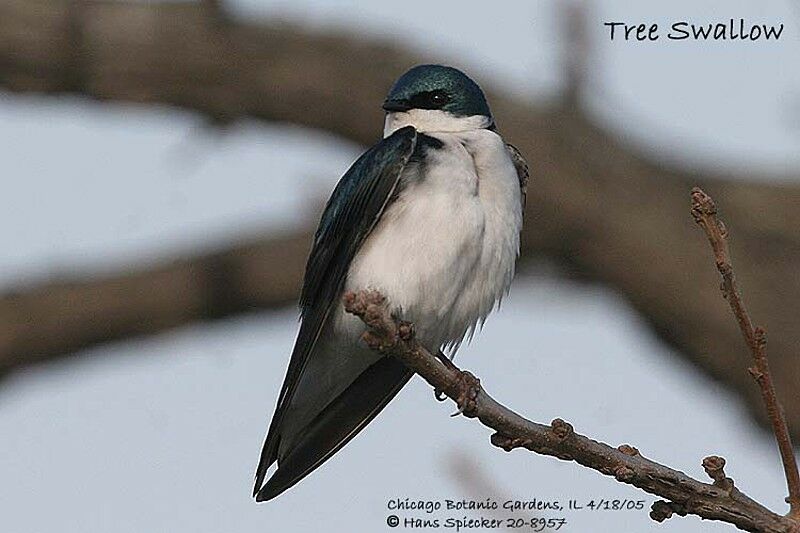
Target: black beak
396,105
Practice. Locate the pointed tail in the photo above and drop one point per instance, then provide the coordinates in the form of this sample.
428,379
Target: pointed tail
333,427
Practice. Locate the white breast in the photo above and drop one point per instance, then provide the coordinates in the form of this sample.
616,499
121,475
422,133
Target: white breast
443,253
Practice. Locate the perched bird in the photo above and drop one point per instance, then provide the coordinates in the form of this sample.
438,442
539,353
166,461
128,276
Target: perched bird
429,216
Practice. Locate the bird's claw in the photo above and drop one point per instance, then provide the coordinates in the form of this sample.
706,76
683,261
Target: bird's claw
468,388
439,395
405,330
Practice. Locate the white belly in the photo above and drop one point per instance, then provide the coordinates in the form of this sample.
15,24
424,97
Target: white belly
443,253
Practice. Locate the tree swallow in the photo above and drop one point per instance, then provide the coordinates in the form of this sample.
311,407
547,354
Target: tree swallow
429,216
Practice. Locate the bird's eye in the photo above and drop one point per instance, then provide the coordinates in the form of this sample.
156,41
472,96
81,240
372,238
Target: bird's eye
429,100
438,98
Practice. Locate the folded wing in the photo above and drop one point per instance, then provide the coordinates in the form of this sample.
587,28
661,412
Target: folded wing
356,205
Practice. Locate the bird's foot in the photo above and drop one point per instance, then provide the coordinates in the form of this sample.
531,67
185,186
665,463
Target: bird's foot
468,388
437,393
405,329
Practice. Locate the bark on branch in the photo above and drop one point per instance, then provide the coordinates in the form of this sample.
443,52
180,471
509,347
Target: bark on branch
718,501
721,500
605,211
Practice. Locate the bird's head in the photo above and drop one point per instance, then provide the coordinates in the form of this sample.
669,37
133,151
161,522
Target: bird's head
436,98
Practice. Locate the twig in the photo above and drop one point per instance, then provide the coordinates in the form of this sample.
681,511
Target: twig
685,495
705,214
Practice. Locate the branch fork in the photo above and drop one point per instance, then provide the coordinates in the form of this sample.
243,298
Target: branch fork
720,500
704,211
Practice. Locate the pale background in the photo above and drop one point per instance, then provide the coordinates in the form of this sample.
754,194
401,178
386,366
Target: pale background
163,434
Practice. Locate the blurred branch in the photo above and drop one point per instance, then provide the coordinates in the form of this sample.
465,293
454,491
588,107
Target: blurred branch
718,501
63,317
705,214
600,208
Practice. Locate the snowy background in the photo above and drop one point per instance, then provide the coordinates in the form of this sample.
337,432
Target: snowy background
163,434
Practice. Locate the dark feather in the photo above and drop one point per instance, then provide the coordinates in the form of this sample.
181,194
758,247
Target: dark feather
352,211
339,422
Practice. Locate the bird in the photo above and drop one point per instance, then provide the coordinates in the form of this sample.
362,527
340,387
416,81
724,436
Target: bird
430,216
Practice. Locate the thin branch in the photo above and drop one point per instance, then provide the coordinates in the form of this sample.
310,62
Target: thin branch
719,501
705,214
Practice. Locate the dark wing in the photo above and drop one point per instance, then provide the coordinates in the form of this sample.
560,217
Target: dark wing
336,424
352,211
522,172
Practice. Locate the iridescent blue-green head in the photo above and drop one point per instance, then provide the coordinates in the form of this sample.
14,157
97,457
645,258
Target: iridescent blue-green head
438,87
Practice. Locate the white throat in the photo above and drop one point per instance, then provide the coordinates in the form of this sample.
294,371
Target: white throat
433,120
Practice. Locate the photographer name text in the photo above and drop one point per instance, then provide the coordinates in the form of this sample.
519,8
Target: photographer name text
465,514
